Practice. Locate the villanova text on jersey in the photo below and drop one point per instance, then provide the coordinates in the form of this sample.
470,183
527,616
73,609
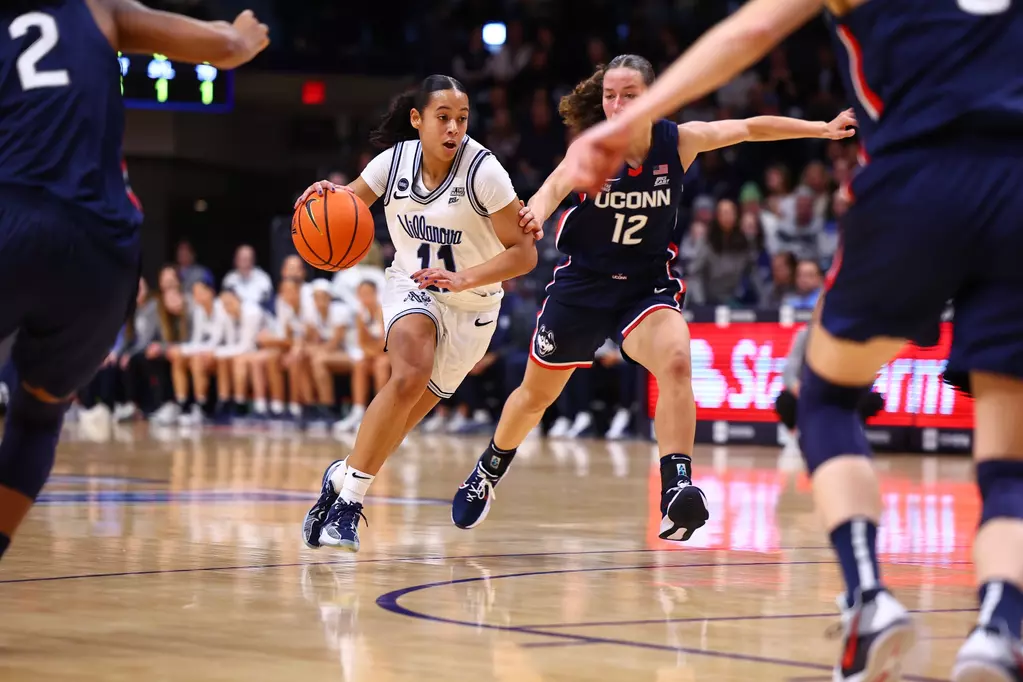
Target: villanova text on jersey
626,230
63,116
416,227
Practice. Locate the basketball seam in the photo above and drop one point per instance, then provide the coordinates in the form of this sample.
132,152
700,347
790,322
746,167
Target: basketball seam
326,227
355,230
301,232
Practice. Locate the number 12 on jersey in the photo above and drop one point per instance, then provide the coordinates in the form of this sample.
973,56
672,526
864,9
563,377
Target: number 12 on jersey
636,223
444,253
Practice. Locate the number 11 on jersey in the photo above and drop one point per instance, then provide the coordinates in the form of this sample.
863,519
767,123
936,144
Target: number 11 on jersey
445,253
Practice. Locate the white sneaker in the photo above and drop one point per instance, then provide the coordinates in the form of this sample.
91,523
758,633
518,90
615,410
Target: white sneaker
877,634
167,415
560,428
619,424
193,417
456,423
350,424
583,421
989,655
434,423
124,412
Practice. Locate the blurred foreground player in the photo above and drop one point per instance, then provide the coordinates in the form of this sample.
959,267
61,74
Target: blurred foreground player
69,230
937,216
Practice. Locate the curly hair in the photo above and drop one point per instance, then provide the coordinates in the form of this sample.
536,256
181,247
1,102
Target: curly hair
395,125
583,107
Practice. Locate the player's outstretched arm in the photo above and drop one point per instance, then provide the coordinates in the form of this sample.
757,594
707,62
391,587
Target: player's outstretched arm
534,214
518,258
699,136
225,45
721,54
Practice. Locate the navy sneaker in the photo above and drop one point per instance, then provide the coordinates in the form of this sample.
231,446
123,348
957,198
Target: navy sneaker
341,529
471,503
316,516
877,633
683,511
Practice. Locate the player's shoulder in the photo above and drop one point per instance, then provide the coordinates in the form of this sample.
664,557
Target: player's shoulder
666,130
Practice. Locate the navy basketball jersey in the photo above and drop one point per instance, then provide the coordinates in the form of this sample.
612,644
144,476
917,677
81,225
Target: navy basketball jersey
627,229
61,113
920,68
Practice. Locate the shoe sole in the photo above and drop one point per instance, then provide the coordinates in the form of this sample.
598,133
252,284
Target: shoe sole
352,547
884,661
481,519
323,481
979,671
670,527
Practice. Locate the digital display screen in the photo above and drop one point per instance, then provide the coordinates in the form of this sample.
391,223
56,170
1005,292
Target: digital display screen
737,375
155,82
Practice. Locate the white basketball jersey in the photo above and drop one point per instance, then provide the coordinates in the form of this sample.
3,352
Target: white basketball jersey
448,227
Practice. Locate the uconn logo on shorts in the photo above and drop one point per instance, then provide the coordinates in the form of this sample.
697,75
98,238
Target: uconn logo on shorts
545,342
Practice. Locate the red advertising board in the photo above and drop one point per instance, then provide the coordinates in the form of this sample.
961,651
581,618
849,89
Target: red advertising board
737,374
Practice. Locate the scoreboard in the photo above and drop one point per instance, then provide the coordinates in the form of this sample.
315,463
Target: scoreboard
155,82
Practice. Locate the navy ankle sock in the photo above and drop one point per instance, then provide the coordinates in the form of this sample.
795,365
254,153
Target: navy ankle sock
497,461
675,468
855,542
1001,601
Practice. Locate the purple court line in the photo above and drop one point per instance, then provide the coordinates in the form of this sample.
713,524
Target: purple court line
418,559
389,602
544,645
723,619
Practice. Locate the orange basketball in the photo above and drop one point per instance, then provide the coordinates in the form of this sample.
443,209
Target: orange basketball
334,231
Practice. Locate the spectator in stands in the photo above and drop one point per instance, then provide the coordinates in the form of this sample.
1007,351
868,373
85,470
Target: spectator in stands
503,139
287,336
101,394
782,283
830,234
137,371
624,379
513,55
815,178
326,330
188,271
809,280
727,258
196,357
248,280
294,268
364,346
760,272
345,285
471,66
170,280
801,231
239,348
173,316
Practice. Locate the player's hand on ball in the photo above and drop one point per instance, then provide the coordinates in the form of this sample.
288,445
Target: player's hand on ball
442,279
529,222
842,126
319,188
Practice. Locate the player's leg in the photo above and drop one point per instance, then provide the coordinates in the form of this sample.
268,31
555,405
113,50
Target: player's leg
993,648
411,344
61,342
381,371
657,337
565,339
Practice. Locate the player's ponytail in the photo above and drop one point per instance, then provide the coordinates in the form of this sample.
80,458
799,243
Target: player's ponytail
583,107
396,126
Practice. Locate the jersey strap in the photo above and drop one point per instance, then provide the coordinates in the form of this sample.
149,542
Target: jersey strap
417,165
470,183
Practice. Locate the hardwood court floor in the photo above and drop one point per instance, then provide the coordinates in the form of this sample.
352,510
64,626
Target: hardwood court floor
180,559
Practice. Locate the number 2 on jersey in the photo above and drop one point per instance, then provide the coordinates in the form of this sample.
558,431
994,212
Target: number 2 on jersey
445,253
28,63
636,223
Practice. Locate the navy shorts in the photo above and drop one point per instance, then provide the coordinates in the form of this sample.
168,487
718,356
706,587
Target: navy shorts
933,226
583,309
64,291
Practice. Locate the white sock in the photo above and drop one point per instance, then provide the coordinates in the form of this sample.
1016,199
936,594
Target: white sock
359,410
353,490
259,405
295,409
277,406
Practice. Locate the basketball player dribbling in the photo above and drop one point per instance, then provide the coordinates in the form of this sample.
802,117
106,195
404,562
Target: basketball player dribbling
617,283
937,216
453,217
69,231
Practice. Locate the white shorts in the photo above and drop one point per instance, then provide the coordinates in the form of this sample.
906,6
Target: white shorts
463,336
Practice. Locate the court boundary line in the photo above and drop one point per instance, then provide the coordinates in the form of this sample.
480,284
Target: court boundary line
389,602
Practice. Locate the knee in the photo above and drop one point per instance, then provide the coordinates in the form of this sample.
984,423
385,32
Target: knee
828,419
1001,489
675,368
536,398
30,413
411,382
